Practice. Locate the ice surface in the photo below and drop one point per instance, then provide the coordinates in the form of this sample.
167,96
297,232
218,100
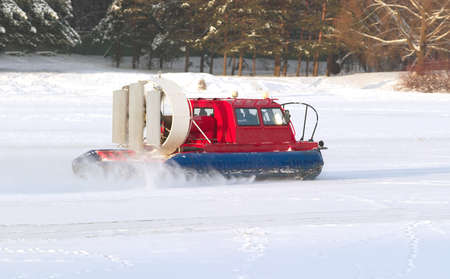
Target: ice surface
380,209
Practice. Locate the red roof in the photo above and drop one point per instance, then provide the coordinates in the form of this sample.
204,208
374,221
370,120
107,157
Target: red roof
239,102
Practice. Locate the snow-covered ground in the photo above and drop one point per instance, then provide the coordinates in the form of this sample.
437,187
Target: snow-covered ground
380,209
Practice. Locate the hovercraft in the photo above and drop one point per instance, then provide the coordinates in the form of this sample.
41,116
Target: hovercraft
236,137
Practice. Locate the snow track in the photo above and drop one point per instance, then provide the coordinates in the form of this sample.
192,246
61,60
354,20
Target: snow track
204,224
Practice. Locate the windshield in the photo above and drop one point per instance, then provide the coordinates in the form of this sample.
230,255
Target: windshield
247,116
273,117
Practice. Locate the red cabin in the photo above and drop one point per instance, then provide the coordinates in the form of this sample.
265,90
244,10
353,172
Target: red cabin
241,125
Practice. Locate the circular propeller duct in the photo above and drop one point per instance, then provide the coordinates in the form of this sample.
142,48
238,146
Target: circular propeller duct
168,116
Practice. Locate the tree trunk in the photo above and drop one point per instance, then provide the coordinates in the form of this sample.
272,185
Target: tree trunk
211,63
241,61
420,67
285,66
254,63
362,63
186,60
327,72
118,54
299,58
225,58
316,54
161,62
333,67
316,64
308,59
233,65
284,43
307,65
135,59
225,43
299,65
150,58
202,62
277,68
420,62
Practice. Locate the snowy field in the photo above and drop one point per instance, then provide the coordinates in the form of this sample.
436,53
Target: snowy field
380,208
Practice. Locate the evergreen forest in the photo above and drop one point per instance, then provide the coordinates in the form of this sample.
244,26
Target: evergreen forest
380,35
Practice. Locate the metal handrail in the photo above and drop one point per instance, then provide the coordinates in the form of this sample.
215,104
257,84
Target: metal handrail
306,115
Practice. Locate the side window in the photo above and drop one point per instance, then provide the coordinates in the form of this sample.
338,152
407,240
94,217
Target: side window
273,117
247,116
203,112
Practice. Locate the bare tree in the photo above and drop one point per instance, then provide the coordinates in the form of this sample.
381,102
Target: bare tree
414,28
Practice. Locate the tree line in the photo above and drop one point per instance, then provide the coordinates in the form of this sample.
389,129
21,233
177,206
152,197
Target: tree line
281,29
381,34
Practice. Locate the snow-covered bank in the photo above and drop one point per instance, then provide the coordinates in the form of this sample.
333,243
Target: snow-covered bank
381,208
80,63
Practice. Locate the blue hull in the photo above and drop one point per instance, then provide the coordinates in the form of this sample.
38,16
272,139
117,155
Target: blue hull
290,164
262,165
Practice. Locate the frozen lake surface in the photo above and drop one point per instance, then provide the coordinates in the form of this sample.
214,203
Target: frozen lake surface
380,208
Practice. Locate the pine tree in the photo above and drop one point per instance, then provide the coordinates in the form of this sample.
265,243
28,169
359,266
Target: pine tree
233,30
185,22
248,37
143,27
217,35
129,25
111,30
210,39
171,16
275,30
298,30
52,30
165,45
294,29
88,13
15,27
202,19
